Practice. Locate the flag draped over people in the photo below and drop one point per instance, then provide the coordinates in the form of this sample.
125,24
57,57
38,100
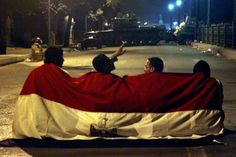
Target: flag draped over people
155,105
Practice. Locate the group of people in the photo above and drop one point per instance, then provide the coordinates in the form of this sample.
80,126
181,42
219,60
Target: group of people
104,64
54,104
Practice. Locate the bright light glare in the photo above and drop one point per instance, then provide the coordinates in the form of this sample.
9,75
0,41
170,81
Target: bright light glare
66,18
178,3
106,24
175,23
171,7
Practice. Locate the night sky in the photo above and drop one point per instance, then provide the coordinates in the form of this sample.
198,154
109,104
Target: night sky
149,10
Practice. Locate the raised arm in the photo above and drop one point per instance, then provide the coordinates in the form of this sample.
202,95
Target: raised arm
119,52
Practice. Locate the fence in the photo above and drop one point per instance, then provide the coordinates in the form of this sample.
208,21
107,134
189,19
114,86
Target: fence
221,34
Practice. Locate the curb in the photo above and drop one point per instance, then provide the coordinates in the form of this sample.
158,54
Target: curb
10,59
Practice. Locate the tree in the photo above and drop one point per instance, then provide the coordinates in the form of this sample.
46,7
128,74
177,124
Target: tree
77,9
9,8
57,10
81,9
114,3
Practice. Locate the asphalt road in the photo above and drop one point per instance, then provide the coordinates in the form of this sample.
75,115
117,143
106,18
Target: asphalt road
176,58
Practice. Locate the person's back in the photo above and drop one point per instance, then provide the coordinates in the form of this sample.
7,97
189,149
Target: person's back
103,64
202,67
54,55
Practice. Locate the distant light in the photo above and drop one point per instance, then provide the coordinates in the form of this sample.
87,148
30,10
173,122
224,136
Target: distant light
179,3
91,37
106,24
182,24
209,50
66,18
175,23
145,23
171,7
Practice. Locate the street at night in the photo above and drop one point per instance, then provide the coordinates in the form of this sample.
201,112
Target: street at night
176,58
118,78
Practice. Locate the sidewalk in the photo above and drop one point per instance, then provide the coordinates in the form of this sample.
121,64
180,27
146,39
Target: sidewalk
216,50
15,55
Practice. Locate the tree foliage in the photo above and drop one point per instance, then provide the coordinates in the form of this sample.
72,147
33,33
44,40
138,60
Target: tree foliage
114,3
77,9
8,7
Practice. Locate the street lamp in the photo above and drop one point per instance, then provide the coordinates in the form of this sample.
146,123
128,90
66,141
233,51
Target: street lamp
171,8
179,4
209,12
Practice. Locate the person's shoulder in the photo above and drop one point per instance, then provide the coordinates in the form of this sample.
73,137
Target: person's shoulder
219,83
49,68
65,71
214,79
39,68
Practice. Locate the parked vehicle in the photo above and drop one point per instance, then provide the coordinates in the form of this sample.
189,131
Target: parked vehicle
90,39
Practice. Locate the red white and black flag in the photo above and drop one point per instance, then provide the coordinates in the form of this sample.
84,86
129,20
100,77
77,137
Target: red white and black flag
147,106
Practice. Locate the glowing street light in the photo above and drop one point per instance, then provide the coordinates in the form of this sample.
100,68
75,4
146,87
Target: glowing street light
171,7
178,3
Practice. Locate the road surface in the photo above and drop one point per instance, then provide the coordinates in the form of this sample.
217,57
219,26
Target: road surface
176,58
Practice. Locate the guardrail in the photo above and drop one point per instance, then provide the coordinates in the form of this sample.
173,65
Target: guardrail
223,34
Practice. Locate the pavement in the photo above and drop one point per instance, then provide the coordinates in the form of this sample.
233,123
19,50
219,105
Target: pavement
216,50
18,54
177,59
14,55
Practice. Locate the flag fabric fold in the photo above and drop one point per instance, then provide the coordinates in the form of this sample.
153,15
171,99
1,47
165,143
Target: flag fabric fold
146,106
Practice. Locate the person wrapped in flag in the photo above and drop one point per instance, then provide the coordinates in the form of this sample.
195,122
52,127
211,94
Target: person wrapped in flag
147,106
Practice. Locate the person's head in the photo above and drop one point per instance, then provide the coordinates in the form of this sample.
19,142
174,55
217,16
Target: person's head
103,64
202,67
153,64
54,55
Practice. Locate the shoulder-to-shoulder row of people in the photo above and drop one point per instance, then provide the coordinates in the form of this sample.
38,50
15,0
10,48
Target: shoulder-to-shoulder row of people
104,64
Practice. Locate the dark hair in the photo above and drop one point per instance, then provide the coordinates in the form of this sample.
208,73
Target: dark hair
157,63
54,55
103,64
202,67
